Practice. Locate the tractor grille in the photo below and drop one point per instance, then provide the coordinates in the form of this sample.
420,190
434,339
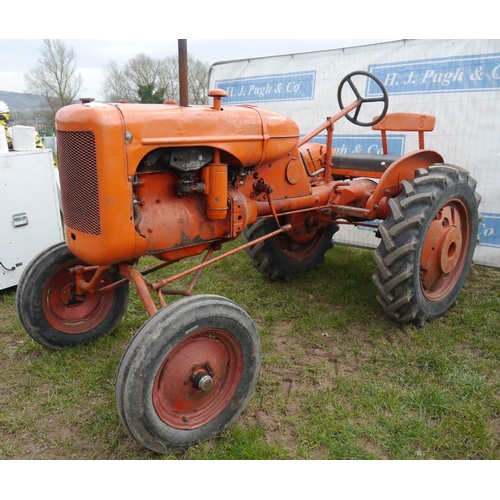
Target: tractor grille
78,174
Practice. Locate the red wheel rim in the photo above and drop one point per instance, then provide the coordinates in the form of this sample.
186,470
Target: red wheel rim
303,240
65,314
177,400
445,250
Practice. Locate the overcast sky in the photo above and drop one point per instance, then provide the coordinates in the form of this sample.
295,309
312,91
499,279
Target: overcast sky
17,56
102,31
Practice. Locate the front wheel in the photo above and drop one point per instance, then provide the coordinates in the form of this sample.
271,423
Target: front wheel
47,308
188,373
427,245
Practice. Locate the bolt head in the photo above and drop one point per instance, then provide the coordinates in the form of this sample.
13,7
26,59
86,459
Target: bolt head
205,383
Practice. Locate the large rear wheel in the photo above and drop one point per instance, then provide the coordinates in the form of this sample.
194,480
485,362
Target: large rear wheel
188,373
47,308
427,245
298,251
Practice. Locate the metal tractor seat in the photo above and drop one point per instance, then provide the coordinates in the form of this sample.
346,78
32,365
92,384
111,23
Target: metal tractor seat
392,122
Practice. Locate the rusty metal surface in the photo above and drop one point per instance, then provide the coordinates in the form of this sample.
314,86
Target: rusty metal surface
183,72
179,179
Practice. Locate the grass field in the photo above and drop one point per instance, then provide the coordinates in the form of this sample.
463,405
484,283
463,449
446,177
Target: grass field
339,380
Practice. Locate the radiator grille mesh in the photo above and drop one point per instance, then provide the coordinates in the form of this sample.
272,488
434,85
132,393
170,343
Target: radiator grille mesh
79,187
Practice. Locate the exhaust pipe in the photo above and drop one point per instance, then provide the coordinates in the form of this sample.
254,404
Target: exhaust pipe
183,72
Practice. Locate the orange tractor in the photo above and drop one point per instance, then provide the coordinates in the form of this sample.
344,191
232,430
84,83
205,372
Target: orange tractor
179,181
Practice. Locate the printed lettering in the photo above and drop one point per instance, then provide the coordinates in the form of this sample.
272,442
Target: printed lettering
443,79
341,150
411,78
259,91
374,149
489,230
478,75
466,73
390,79
368,144
485,231
287,86
495,73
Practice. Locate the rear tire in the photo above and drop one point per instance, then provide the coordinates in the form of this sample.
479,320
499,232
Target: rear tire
288,254
45,311
427,245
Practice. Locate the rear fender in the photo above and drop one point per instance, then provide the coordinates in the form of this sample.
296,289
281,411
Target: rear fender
389,185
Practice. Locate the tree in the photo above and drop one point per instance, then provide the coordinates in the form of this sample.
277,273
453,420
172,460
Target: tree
116,85
145,79
55,77
148,94
197,81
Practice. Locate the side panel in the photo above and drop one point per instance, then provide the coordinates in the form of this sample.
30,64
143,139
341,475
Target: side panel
30,218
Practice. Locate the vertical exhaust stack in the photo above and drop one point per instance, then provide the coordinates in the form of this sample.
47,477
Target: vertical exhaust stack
183,73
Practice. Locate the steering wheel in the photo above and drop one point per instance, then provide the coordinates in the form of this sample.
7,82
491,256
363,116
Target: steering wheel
384,98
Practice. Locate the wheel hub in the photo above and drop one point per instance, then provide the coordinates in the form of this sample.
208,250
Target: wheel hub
66,311
203,381
444,250
197,379
68,297
450,250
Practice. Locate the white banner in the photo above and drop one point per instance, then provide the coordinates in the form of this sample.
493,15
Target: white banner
458,81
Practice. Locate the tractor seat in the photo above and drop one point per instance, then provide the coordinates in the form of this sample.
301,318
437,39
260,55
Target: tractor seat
392,122
363,161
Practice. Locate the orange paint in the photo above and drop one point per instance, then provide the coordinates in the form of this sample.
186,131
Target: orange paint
173,181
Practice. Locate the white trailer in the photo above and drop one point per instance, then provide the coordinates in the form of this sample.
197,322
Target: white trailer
458,81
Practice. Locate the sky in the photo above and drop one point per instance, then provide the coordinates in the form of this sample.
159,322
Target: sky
101,31
17,56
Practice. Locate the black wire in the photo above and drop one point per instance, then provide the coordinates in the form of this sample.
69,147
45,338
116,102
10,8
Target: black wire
12,269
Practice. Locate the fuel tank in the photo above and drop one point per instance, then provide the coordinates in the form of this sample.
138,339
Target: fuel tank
100,146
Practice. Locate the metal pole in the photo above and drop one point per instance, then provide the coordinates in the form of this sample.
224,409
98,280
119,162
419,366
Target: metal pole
183,73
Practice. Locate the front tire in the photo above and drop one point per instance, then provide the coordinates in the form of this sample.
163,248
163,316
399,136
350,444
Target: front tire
427,245
47,311
188,373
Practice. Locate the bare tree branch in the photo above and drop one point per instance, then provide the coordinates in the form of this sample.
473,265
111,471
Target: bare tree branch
159,76
116,86
55,76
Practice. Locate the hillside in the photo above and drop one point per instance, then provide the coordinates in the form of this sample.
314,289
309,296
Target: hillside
21,102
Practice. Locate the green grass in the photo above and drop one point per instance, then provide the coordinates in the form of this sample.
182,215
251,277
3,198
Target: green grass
339,379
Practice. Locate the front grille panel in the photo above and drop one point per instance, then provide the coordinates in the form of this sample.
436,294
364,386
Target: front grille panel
79,181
